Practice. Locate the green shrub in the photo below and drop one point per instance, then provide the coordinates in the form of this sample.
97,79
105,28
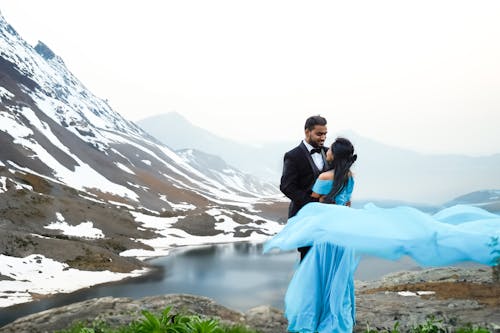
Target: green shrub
163,323
430,326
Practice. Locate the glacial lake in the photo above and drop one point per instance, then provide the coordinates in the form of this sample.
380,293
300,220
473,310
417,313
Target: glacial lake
236,275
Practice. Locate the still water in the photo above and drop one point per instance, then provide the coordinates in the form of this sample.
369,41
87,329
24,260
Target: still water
236,275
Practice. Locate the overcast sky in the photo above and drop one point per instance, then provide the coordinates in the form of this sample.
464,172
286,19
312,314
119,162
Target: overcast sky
418,74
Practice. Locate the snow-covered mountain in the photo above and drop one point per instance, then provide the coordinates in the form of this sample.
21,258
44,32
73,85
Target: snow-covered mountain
87,190
55,120
216,168
53,126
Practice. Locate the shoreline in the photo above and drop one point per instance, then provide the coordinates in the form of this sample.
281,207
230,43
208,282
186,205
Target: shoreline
379,305
150,272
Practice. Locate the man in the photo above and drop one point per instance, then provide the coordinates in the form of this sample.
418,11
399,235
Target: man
302,166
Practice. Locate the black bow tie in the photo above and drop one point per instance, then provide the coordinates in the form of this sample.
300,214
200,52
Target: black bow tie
315,150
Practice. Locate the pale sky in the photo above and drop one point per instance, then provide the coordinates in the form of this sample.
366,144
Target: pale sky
418,74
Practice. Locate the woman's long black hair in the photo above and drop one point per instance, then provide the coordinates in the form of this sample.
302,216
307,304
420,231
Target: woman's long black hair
343,158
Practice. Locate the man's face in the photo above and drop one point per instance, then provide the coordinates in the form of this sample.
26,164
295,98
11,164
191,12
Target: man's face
317,136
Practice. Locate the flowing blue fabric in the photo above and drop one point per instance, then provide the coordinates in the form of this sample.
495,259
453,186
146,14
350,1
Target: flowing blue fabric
320,297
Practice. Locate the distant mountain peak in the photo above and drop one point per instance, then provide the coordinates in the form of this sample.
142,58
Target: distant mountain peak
174,116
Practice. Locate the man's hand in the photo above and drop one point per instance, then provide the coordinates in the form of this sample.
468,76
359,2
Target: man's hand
348,203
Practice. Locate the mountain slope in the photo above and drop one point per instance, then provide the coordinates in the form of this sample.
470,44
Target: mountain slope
216,168
84,192
50,120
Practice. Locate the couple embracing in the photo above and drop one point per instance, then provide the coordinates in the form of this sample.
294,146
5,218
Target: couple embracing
314,173
329,234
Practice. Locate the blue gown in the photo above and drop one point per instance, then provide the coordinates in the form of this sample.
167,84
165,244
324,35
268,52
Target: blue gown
320,296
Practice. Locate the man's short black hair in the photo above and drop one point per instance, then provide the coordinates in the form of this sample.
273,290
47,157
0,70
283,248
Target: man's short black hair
313,121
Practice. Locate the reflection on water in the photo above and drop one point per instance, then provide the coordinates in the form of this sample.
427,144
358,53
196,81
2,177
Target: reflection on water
237,275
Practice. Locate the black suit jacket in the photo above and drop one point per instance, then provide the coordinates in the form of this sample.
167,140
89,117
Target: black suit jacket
299,175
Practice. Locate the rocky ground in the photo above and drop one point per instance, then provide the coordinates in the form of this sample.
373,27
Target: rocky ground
25,212
462,296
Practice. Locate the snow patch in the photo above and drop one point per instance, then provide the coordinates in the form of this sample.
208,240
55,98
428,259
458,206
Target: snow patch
271,227
147,162
20,186
92,199
124,168
228,225
41,275
418,293
173,237
142,254
3,184
154,212
154,222
84,229
117,203
40,236
10,125
120,154
5,94
145,188
182,206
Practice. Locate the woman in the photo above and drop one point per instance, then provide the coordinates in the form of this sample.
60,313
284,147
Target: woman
320,297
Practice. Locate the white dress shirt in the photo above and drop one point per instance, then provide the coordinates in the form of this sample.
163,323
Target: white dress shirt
317,157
